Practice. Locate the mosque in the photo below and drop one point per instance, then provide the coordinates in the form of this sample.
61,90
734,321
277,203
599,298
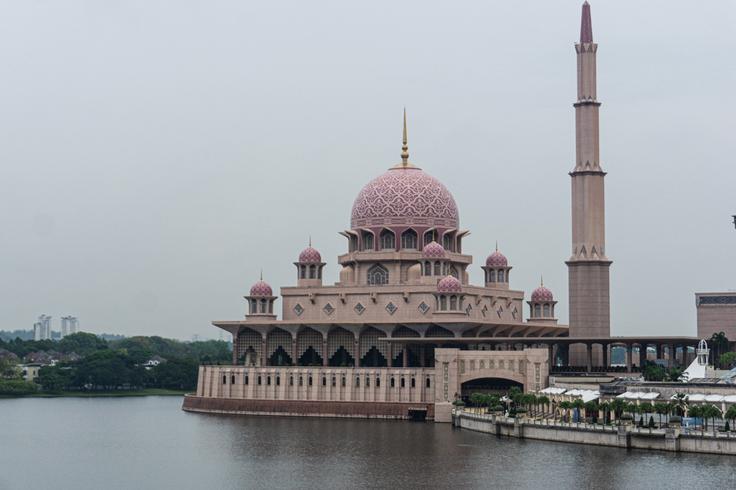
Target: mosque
404,331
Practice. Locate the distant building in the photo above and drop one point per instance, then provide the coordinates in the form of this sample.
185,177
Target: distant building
153,362
716,313
42,328
69,325
30,371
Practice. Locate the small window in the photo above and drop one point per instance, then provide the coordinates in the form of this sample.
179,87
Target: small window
268,380
491,276
312,271
324,380
437,269
357,381
388,242
224,379
301,381
453,303
367,241
403,383
393,382
428,268
343,381
378,382
259,381
428,384
310,380
245,379
367,382
409,239
443,302
547,311
413,383
278,380
291,380
232,379
333,382
501,276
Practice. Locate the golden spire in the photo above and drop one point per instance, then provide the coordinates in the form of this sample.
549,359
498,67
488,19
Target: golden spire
405,146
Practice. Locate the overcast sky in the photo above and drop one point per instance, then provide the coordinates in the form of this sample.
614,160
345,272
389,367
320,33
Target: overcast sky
155,155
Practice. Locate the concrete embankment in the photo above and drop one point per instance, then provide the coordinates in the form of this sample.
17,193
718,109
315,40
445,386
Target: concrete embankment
623,436
303,408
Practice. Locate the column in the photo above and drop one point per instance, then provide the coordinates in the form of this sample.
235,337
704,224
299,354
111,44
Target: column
588,357
390,354
551,354
642,355
658,348
671,360
294,352
605,348
324,353
264,361
628,357
405,356
357,353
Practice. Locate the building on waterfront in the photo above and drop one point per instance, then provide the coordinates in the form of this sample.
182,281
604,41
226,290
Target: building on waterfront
42,328
69,325
404,329
716,312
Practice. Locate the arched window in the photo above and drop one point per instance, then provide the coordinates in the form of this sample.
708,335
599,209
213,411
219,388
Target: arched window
353,246
409,239
453,272
443,302
428,268
367,241
319,272
429,237
253,306
453,303
537,311
547,312
447,242
437,269
377,275
388,240
501,276
312,271
302,271
492,275
264,306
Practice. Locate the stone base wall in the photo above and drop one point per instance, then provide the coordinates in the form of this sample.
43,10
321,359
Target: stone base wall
305,408
624,437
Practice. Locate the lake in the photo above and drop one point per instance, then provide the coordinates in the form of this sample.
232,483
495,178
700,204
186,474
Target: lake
149,443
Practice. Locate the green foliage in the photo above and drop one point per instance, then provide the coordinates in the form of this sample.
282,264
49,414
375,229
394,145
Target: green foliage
654,372
728,360
718,345
55,379
646,408
81,343
16,387
175,374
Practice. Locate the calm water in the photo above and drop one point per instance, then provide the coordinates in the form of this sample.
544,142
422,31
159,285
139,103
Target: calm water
131,443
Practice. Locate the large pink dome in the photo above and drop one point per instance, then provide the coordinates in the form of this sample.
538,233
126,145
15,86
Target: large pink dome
497,259
404,196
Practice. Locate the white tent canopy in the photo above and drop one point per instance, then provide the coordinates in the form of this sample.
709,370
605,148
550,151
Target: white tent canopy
638,395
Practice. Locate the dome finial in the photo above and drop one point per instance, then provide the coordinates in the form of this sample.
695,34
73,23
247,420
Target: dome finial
261,274
541,280
405,145
310,239
496,245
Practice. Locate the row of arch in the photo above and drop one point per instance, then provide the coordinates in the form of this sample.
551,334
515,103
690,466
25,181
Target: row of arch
408,240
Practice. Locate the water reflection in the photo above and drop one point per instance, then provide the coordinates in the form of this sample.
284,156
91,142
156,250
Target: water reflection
151,443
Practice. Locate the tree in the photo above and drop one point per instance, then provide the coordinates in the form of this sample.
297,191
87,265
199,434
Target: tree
679,403
646,408
82,343
177,374
618,406
477,399
710,412
55,379
592,406
566,405
661,408
730,414
695,412
544,401
654,372
727,360
606,407
579,405
719,345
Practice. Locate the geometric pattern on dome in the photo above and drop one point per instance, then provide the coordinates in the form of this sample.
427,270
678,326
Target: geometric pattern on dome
405,195
497,259
310,256
449,284
261,288
542,294
433,250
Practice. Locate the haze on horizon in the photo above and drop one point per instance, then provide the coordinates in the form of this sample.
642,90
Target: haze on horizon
156,155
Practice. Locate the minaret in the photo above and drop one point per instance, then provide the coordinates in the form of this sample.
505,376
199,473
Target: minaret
588,267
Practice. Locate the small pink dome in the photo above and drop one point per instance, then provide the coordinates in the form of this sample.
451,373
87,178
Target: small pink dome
542,294
433,250
449,284
261,288
310,256
497,259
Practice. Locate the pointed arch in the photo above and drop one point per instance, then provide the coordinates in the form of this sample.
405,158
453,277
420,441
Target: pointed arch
387,240
377,275
409,239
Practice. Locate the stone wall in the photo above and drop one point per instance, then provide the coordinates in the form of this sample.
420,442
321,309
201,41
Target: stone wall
624,437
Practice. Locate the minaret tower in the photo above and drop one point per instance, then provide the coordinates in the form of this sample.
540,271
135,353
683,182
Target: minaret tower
588,267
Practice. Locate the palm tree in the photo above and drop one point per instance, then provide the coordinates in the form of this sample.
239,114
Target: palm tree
680,403
731,415
710,412
592,406
695,411
544,401
606,407
578,404
566,405
477,399
661,408
618,406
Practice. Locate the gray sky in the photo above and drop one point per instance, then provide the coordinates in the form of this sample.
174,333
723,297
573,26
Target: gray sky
155,155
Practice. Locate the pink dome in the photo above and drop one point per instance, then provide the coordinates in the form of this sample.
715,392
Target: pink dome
404,196
497,259
433,250
310,256
542,294
449,284
261,288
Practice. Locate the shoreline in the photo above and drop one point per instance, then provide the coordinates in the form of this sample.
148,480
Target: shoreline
101,394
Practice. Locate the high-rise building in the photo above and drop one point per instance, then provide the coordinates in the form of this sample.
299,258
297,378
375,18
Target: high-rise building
42,328
69,325
588,266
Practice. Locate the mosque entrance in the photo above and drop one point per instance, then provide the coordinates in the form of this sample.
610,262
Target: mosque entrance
496,386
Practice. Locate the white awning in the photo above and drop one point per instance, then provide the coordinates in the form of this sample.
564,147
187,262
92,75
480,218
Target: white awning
551,390
714,398
729,398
